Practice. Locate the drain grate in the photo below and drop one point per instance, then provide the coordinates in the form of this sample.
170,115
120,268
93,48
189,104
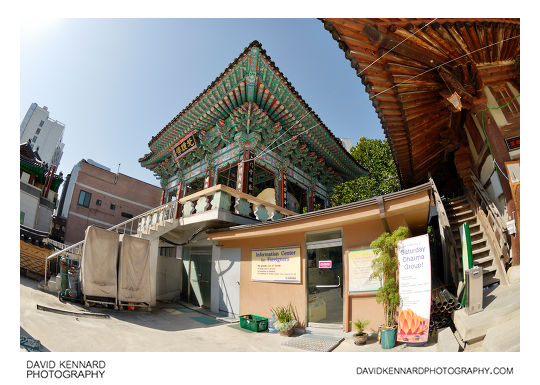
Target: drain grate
313,342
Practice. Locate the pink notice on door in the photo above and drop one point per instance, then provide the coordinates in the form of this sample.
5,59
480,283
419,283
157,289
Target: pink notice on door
325,264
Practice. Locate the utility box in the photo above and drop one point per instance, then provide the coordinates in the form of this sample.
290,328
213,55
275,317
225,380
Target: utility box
474,293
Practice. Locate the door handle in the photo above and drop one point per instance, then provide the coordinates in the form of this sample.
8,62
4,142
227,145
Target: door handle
338,285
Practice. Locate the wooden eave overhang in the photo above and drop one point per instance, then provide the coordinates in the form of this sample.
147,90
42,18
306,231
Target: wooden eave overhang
415,200
282,103
405,86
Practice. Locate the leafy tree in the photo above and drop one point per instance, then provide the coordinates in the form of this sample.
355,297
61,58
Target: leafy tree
384,268
375,156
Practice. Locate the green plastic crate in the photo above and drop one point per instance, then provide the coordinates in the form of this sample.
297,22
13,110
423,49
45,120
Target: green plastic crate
254,323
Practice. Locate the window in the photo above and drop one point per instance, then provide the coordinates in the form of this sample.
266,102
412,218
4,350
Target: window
113,206
504,96
126,215
98,202
22,217
84,198
38,131
194,186
227,175
167,252
41,123
34,139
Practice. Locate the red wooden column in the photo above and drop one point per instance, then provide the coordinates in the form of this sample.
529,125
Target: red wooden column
208,180
162,201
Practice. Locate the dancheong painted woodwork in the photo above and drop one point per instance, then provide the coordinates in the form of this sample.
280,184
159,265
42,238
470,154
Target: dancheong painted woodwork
428,78
250,114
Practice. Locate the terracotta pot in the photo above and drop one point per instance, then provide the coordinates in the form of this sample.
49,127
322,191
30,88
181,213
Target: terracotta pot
360,339
287,333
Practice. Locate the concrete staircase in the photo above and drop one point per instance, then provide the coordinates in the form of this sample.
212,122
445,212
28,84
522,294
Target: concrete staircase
459,210
155,227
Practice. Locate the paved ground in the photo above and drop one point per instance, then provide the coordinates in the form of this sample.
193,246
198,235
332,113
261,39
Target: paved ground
170,327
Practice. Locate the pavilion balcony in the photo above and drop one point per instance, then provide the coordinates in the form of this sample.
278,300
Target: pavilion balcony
216,203
221,197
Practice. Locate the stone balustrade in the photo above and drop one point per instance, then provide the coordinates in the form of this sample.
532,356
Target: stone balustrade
224,198
151,219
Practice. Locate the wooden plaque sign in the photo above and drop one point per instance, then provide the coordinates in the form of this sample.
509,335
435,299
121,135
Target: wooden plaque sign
185,145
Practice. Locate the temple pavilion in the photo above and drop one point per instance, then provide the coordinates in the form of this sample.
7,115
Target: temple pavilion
251,131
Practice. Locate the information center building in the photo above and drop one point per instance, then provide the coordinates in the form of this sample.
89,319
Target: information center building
251,131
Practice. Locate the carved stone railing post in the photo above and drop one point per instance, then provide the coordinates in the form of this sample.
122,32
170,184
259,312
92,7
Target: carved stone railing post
260,212
276,215
221,200
202,205
188,208
242,207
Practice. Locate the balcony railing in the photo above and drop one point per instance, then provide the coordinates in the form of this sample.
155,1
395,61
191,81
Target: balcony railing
220,197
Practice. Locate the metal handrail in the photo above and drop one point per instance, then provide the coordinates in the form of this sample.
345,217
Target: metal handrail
482,194
445,229
173,205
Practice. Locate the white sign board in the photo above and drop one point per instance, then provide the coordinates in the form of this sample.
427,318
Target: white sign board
276,265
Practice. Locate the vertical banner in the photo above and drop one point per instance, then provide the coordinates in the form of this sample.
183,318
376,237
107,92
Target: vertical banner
250,172
414,289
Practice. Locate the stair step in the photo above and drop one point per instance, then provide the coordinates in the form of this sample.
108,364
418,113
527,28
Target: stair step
457,199
489,269
482,260
458,222
475,244
457,208
480,251
474,229
459,213
490,281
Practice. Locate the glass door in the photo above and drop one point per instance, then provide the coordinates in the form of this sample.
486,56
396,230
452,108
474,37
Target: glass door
325,280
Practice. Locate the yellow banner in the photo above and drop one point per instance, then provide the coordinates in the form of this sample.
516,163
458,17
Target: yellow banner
276,265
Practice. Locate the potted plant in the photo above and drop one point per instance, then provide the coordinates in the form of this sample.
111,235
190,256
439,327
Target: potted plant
360,337
384,267
285,321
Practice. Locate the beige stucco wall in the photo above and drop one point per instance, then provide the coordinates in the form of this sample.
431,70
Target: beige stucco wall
258,297
364,306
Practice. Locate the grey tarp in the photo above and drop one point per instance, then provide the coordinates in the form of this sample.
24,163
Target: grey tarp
134,270
99,263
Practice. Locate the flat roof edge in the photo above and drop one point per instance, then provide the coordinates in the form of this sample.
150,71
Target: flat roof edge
332,210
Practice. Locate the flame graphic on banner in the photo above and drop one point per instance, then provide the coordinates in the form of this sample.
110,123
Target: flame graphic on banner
411,326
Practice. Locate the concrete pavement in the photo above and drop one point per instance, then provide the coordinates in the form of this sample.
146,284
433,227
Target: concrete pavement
170,327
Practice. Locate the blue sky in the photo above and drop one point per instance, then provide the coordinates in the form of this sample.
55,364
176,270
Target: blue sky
116,82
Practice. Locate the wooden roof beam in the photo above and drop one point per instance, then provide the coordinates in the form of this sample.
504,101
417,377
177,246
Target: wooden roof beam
402,48
402,34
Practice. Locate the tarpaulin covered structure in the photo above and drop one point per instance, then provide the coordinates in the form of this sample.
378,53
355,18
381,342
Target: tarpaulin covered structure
134,270
99,263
